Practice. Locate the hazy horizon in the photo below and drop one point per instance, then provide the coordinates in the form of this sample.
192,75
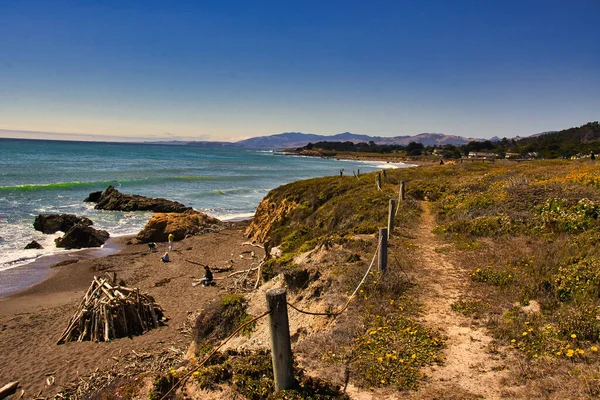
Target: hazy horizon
231,70
37,135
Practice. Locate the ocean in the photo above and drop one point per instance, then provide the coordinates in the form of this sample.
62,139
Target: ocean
41,176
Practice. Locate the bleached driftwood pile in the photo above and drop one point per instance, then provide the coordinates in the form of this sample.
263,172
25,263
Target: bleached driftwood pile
109,311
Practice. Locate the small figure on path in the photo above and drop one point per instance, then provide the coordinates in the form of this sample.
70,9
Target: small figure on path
152,247
165,257
171,237
208,277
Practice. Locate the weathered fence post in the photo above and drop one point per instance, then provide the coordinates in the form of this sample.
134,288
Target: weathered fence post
281,347
382,249
378,181
401,192
391,216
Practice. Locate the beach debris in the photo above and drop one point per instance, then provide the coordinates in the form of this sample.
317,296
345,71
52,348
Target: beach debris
50,381
109,311
214,269
8,389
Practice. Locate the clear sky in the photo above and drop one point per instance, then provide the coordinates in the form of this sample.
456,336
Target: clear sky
228,70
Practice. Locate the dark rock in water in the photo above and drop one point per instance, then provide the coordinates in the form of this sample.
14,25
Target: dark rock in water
190,222
93,197
112,199
80,236
34,245
50,223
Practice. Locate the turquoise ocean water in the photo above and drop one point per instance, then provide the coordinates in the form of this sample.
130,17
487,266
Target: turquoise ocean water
55,176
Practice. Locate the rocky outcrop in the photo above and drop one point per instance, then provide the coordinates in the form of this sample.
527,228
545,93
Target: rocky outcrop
93,197
81,236
269,214
50,223
190,222
112,199
34,245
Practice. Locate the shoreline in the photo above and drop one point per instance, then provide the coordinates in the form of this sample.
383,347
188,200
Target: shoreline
18,279
358,157
32,319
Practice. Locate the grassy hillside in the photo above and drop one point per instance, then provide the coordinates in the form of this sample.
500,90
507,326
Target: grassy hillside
523,236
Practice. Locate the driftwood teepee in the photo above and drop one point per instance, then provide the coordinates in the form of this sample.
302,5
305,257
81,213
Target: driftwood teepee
109,311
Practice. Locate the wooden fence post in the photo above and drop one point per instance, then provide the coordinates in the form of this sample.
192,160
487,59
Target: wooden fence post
382,249
378,181
391,216
281,347
401,193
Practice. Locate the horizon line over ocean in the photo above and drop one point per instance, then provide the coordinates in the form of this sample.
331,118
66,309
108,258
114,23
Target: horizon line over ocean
48,176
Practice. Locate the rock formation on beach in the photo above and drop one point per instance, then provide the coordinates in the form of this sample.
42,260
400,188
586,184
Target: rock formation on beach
112,199
33,245
80,236
51,223
190,222
93,197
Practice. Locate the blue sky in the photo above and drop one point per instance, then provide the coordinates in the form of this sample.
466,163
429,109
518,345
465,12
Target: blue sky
228,70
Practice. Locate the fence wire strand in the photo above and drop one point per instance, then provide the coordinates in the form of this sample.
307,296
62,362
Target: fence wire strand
351,296
186,376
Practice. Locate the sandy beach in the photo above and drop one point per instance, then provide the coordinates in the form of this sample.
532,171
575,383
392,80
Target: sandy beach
32,320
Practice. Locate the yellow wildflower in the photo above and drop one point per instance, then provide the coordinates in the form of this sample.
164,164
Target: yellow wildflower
580,352
570,353
594,349
524,333
573,336
380,359
196,373
512,341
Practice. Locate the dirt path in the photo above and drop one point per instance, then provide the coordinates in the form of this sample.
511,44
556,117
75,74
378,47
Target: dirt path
469,368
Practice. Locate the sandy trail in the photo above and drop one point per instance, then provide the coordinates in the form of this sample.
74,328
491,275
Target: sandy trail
469,365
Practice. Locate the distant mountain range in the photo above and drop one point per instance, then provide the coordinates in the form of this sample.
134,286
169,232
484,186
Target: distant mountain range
297,139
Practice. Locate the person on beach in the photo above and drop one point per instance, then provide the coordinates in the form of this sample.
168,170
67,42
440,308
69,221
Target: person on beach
171,238
165,257
152,247
208,276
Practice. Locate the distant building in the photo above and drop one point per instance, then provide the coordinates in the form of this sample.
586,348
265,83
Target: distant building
478,154
512,155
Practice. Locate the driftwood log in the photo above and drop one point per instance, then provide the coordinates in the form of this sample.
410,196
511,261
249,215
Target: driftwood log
8,389
109,311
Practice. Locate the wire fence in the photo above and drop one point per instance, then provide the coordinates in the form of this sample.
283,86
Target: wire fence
329,314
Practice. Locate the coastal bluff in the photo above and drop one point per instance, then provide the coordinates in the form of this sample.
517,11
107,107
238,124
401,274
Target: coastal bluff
113,200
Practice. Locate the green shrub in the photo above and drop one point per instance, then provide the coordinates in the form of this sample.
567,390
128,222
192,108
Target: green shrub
579,279
492,277
557,215
393,350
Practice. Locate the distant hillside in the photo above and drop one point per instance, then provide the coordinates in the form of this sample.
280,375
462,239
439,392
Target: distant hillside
565,143
297,139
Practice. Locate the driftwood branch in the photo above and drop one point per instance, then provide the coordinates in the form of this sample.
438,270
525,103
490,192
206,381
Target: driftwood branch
252,244
8,389
111,311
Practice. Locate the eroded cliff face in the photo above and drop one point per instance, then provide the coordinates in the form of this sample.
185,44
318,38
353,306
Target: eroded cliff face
269,214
